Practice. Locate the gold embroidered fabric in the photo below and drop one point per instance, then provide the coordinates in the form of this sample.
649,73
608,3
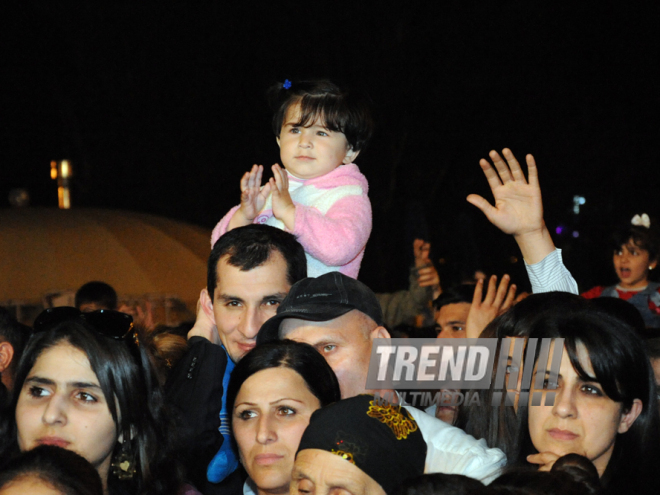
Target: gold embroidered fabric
344,455
392,416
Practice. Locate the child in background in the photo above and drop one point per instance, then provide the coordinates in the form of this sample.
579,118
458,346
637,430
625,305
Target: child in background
636,249
320,195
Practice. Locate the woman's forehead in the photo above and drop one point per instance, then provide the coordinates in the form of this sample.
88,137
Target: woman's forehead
64,362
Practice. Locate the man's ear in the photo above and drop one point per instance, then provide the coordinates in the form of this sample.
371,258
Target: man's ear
629,417
379,333
206,304
350,156
277,138
6,355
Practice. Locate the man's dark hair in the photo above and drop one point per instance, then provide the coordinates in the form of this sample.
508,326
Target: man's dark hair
339,110
251,246
97,292
457,294
15,333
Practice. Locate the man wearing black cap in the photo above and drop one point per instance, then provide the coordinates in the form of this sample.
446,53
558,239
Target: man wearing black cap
340,317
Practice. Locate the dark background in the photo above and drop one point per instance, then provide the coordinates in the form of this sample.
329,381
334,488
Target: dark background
161,107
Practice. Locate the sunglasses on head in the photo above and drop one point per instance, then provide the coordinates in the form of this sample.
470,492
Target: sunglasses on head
112,324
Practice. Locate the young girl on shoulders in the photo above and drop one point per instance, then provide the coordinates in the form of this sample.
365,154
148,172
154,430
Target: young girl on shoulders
636,248
319,194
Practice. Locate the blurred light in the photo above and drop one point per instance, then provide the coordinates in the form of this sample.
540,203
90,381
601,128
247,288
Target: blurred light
19,198
442,261
513,259
64,198
65,169
576,234
577,201
62,171
559,230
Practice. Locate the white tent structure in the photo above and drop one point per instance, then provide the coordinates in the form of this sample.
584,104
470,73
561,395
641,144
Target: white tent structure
47,250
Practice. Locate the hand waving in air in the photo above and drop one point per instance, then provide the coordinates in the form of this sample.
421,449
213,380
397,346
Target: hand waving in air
518,207
497,301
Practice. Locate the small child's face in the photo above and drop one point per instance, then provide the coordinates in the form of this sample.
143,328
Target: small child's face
313,151
631,264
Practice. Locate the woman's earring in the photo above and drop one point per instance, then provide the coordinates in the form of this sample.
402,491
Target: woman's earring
123,465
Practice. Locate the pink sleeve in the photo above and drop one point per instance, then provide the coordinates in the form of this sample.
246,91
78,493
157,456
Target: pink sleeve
221,228
337,237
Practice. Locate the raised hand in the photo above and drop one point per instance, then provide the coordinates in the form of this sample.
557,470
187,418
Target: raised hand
427,275
205,322
545,460
283,207
518,206
496,302
253,197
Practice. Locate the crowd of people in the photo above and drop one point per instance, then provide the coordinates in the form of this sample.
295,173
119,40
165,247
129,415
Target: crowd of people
267,392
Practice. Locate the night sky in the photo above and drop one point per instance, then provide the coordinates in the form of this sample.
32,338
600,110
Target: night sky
161,107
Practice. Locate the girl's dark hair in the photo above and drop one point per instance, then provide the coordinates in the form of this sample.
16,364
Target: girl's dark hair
63,470
555,482
642,237
301,358
340,110
620,366
128,381
440,483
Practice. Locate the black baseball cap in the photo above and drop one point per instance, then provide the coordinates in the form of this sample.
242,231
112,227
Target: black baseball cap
321,299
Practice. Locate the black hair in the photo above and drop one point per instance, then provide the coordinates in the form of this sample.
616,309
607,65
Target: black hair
301,358
642,237
580,469
622,310
130,387
555,482
458,294
16,334
440,483
499,425
97,292
61,469
340,110
251,246
620,366
617,357
653,348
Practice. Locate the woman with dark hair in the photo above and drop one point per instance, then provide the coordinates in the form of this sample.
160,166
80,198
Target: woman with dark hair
85,384
272,393
604,406
49,469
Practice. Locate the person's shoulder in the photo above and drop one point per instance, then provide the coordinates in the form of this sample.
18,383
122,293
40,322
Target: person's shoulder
343,175
594,292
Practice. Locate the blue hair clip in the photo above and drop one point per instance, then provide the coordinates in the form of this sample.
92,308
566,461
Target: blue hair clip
287,84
